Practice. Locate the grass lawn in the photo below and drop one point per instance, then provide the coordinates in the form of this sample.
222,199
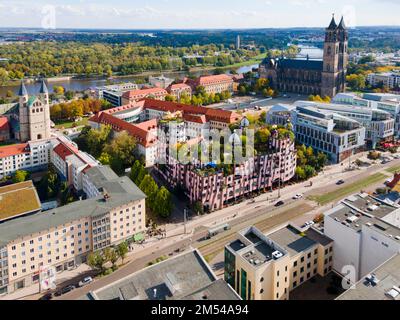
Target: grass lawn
393,169
69,124
347,189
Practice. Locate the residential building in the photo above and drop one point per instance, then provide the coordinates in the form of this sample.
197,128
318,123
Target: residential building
337,136
160,82
213,84
365,231
184,277
379,124
32,156
63,237
215,188
389,80
177,89
133,96
113,93
381,284
144,133
269,267
151,112
19,199
325,77
70,162
380,101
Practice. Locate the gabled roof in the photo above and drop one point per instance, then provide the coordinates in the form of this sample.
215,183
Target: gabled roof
8,151
209,80
143,92
62,151
4,124
211,114
142,136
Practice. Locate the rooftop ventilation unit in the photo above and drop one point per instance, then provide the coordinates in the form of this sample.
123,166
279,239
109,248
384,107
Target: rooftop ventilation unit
393,293
277,254
372,279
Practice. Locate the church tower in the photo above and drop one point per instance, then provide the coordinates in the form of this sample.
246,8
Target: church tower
34,115
24,134
335,59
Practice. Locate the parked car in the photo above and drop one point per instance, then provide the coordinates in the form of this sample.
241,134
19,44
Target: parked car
85,281
65,290
340,182
279,204
297,197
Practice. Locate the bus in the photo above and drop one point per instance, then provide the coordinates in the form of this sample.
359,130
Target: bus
217,230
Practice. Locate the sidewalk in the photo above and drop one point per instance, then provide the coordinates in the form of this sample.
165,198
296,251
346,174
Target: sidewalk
33,291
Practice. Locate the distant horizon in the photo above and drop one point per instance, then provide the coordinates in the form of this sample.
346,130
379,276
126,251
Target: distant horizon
204,15
188,29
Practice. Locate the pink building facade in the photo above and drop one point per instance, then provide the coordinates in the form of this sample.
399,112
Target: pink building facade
217,190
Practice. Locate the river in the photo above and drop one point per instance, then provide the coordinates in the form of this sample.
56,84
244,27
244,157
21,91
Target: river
84,84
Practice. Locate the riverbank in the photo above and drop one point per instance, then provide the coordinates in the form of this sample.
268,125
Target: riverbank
197,71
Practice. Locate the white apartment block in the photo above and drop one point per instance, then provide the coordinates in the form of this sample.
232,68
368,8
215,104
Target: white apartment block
390,80
365,232
63,237
31,156
379,124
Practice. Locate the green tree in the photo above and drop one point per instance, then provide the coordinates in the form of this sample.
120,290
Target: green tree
122,251
150,189
300,173
111,255
20,176
96,260
121,150
163,205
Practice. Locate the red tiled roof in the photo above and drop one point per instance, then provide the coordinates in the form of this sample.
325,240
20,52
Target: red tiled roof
63,151
210,80
147,125
211,114
8,151
141,135
178,86
143,92
195,118
4,124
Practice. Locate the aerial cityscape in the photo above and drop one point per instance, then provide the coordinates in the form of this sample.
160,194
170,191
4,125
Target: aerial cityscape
213,161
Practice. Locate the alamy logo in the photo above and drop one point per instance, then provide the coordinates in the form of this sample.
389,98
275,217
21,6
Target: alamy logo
49,17
349,278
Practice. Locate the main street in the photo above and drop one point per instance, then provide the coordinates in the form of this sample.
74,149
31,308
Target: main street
262,213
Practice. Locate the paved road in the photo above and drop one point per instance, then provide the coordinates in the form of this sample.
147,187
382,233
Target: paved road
262,212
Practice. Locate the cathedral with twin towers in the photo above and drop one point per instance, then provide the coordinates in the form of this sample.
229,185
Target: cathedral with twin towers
325,77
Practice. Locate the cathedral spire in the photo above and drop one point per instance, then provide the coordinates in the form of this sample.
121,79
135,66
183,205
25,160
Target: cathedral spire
333,24
43,88
22,90
342,25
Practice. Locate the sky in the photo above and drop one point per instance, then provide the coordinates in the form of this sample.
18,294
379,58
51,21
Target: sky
194,14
